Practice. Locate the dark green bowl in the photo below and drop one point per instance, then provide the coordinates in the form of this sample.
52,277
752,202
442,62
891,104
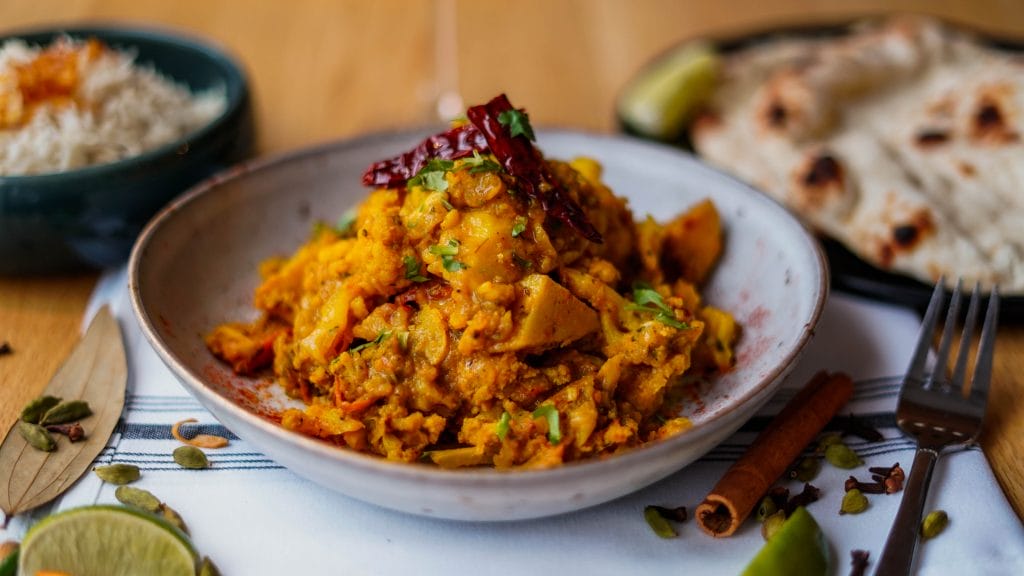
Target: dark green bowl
89,218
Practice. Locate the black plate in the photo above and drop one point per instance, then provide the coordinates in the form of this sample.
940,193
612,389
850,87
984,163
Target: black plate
849,273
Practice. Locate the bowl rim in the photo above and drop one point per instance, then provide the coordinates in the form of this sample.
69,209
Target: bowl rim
233,73
425,474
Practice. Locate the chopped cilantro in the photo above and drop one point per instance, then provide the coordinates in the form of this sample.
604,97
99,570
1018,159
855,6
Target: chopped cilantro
502,428
412,269
550,413
447,254
522,262
518,226
647,299
517,122
346,225
403,338
478,164
380,338
431,176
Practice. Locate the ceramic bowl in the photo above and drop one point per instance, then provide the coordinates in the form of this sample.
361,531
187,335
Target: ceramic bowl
90,217
195,266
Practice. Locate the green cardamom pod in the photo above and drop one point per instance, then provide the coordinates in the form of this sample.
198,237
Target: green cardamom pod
842,456
934,523
766,508
659,523
118,474
172,516
772,524
190,457
806,470
34,410
138,498
828,440
66,412
854,502
207,568
36,436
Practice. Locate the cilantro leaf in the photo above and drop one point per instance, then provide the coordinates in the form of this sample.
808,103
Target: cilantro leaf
447,254
478,164
550,413
518,226
523,263
380,338
412,269
647,299
346,225
503,424
518,123
431,176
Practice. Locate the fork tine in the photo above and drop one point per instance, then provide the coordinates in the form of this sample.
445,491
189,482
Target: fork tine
916,371
960,369
986,348
942,355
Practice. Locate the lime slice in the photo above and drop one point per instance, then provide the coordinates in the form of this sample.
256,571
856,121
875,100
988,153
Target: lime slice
106,541
799,547
662,99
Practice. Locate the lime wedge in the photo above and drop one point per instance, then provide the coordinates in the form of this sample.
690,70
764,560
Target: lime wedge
799,547
661,100
106,541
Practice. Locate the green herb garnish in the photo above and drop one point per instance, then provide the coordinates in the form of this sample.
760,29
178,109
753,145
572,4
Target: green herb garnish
502,428
431,176
447,254
518,226
647,299
380,338
550,413
517,122
521,262
412,269
478,164
346,225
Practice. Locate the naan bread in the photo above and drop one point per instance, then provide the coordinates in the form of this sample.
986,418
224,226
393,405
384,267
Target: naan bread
902,140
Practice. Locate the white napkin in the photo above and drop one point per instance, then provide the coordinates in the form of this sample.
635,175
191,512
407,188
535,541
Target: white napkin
252,516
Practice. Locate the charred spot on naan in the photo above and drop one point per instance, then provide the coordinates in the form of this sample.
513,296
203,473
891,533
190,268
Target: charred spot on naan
991,121
820,184
906,235
931,137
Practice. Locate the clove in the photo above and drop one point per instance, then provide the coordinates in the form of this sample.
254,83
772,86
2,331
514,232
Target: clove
858,562
73,430
805,497
890,478
865,487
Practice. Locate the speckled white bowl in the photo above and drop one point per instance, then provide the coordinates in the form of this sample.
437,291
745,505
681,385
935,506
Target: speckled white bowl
195,265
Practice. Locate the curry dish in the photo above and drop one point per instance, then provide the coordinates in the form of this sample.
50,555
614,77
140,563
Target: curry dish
473,314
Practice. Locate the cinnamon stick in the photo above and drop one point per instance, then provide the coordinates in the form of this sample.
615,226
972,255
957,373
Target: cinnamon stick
747,481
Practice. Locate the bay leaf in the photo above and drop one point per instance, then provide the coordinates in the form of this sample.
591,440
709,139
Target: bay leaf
96,372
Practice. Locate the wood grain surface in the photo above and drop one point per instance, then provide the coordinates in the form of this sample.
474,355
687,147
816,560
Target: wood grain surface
327,69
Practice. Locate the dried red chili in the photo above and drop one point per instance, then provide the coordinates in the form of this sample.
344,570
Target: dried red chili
459,142
521,160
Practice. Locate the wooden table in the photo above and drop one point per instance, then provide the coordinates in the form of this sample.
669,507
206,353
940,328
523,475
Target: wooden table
326,69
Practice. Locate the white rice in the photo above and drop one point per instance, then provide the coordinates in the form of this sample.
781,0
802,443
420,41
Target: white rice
124,110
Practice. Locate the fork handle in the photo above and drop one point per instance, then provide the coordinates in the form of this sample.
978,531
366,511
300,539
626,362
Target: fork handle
898,555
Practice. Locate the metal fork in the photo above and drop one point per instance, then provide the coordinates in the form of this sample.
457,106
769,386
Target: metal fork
935,410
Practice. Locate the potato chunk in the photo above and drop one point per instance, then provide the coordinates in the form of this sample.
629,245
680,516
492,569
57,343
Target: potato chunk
547,315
